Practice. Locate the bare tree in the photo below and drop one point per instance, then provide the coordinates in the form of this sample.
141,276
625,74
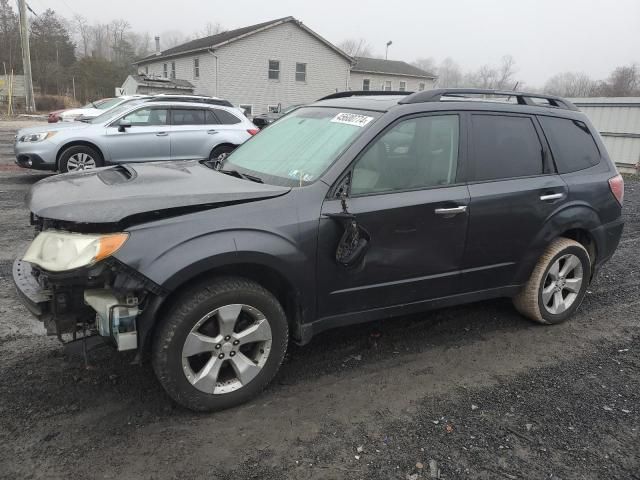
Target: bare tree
570,84
140,43
211,29
356,47
505,73
100,38
623,82
83,30
449,74
426,64
171,38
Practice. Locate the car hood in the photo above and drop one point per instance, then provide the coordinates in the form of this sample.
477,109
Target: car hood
80,111
124,194
49,127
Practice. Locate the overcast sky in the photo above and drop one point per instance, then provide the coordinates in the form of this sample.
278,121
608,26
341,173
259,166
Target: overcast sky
544,36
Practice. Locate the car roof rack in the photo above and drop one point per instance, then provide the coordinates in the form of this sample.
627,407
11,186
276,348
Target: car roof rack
364,93
522,98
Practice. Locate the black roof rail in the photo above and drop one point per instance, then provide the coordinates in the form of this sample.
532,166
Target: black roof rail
363,93
522,98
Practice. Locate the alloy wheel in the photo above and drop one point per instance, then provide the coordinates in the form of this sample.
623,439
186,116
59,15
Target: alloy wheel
562,284
80,161
226,349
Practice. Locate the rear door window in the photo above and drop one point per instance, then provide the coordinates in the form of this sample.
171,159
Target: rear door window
211,118
187,117
505,147
572,145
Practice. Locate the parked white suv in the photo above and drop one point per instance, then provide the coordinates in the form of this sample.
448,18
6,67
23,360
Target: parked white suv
142,132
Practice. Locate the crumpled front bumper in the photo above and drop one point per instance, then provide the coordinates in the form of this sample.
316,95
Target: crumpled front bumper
85,299
33,296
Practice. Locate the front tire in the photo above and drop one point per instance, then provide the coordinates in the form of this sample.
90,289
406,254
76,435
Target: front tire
79,158
558,283
219,150
220,344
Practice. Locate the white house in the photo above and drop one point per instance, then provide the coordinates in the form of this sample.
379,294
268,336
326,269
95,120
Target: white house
380,74
256,67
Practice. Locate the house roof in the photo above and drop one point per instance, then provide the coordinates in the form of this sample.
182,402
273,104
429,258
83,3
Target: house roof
389,67
223,38
157,82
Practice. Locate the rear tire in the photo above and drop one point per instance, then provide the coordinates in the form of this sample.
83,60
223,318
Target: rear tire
79,158
220,344
558,283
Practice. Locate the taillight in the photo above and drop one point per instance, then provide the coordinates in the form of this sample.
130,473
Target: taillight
252,131
616,184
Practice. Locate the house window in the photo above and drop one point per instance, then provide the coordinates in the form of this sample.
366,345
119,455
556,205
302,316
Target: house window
366,84
273,108
301,72
173,69
387,85
146,69
274,69
403,86
421,87
164,70
246,108
196,68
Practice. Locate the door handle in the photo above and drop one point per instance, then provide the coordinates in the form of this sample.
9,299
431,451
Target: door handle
551,196
212,132
451,211
161,134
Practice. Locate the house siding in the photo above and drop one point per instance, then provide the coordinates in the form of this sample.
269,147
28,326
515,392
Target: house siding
243,69
204,85
378,79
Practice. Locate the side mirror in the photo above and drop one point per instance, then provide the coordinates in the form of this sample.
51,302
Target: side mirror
123,125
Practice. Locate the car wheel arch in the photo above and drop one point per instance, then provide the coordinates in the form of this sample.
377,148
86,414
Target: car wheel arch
76,143
269,277
574,221
223,144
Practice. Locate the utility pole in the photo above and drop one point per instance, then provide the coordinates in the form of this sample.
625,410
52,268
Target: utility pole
26,57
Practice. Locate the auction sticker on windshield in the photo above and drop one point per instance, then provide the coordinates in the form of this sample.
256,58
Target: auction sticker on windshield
352,119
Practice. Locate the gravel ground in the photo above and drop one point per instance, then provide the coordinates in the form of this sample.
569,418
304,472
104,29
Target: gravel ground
466,392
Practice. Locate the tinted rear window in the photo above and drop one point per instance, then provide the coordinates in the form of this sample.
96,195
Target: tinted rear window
505,147
571,143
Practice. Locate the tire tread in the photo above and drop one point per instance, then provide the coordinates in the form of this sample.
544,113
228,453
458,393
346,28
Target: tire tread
526,301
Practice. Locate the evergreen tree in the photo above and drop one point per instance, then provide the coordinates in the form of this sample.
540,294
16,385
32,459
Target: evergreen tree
10,53
52,52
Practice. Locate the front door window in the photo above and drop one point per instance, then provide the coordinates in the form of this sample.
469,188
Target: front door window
416,153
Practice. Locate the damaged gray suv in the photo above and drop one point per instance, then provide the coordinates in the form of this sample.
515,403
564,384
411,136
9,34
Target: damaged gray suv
361,206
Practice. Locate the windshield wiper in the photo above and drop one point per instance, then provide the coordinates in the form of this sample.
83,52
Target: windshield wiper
237,174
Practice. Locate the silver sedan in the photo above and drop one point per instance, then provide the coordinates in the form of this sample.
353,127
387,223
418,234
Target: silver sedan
135,132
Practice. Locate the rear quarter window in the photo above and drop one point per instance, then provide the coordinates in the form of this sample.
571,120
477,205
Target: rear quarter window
572,145
226,118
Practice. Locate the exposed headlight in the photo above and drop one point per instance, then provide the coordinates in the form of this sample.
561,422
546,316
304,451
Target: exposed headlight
59,251
36,137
